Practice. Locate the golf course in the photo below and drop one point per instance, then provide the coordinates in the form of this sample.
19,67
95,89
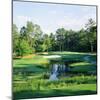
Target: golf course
32,73
54,50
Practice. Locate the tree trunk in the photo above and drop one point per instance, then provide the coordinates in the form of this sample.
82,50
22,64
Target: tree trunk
91,47
47,49
67,45
60,47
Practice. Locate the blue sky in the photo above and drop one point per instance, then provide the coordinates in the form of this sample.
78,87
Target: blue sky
52,16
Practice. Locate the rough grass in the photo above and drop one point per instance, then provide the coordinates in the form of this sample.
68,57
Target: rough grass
34,60
83,67
81,64
29,82
73,90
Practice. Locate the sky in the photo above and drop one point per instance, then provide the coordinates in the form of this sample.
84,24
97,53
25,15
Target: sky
50,17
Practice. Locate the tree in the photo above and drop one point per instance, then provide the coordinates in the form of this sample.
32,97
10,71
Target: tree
60,37
37,36
24,44
24,48
46,43
15,39
32,34
30,30
91,32
52,42
30,27
31,38
82,44
71,40
24,33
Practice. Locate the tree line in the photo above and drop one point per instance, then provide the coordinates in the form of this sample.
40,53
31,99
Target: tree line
31,39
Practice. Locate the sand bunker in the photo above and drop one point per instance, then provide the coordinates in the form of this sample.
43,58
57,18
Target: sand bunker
52,56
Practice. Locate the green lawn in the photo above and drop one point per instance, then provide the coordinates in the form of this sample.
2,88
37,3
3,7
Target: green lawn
29,80
83,67
81,89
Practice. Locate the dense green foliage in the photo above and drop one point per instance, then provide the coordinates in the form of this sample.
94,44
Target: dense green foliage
34,40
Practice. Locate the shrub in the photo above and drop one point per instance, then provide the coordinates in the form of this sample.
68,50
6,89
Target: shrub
24,48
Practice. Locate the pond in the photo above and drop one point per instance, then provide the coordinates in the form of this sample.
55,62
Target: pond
59,67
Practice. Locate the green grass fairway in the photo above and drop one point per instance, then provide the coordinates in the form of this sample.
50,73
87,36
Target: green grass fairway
31,76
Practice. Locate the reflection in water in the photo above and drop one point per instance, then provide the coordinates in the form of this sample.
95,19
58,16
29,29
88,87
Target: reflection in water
53,77
56,70
60,67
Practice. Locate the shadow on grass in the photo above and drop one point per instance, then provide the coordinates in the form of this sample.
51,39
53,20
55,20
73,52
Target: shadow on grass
50,93
28,68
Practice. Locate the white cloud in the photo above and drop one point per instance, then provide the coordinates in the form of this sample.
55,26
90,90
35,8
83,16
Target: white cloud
88,9
21,20
74,23
68,22
24,18
54,12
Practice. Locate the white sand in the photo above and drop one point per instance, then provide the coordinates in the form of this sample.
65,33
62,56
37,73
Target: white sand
52,56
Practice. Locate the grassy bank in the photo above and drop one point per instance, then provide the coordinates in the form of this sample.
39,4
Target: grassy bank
31,76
